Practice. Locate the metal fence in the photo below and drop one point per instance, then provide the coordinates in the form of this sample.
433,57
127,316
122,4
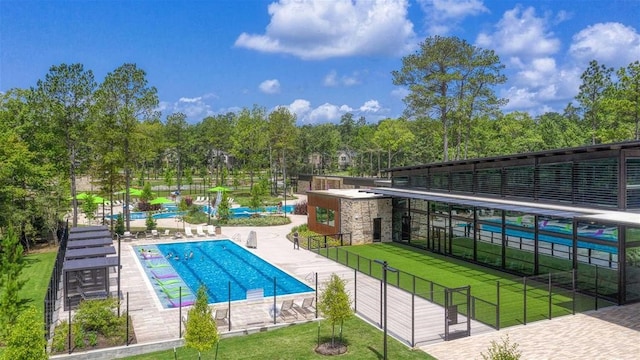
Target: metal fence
54,282
496,304
327,241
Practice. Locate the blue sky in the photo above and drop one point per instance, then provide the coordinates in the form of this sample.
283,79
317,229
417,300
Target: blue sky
319,58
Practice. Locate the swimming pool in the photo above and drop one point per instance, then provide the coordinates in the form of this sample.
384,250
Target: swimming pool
550,239
215,264
236,213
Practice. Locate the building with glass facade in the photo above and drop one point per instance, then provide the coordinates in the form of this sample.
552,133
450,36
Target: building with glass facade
530,214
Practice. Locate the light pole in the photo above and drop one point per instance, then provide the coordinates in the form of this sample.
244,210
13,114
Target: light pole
385,268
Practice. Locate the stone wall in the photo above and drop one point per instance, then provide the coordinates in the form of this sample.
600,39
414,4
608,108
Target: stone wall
357,218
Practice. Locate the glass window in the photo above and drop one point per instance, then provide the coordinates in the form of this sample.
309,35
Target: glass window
325,216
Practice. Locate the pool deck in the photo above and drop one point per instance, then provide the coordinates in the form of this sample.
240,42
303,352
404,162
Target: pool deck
610,333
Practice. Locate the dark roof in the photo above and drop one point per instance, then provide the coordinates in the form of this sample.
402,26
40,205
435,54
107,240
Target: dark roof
81,229
92,263
89,243
90,252
545,153
89,235
479,202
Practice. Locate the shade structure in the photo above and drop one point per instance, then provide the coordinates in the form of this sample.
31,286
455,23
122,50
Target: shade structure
84,196
160,200
132,191
219,188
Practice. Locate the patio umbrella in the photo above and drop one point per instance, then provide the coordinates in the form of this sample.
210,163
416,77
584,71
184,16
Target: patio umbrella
219,188
132,192
80,196
160,200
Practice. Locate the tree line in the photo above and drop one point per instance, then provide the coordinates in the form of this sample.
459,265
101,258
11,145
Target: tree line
69,125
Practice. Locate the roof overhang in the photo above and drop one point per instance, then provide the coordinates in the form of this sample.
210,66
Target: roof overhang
586,214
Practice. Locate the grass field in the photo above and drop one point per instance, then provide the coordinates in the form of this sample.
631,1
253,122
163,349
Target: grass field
36,275
434,272
298,342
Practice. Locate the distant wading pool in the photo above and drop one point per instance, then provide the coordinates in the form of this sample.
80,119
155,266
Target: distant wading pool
214,263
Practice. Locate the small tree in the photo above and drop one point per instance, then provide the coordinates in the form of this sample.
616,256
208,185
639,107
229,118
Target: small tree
147,194
119,224
89,207
11,265
335,304
503,351
26,338
224,213
151,222
201,330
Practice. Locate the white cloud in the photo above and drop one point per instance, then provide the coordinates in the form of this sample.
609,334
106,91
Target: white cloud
320,29
521,35
333,80
300,107
400,93
371,106
196,108
613,44
328,112
444,15
324,112
270,86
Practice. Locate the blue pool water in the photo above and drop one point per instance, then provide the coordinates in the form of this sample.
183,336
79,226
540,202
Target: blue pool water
551,239
245,212
236,213
214,264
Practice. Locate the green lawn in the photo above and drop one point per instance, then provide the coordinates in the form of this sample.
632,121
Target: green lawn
37,273
298,342
435,272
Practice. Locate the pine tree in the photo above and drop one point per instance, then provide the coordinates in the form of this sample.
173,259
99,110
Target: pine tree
11,265
201,330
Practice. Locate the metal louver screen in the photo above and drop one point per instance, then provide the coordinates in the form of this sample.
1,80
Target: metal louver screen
440,181
489,181
633,183
519,181
462,181
596,182
554,182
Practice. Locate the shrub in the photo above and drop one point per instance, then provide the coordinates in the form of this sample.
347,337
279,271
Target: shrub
300,208
26,338
59,341
502,351
100,316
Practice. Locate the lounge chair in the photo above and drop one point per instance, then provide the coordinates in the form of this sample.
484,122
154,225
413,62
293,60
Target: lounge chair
177,303
221,317
200,231
163,276
211,230
188,232
167,233
92,294
198,199
307,308
286,310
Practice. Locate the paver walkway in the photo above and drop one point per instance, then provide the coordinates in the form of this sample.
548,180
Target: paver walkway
609,333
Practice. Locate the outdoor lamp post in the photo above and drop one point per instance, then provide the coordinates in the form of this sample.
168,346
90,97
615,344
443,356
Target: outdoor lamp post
385,268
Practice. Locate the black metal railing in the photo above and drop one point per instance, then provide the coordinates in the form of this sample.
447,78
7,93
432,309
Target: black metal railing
54,281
